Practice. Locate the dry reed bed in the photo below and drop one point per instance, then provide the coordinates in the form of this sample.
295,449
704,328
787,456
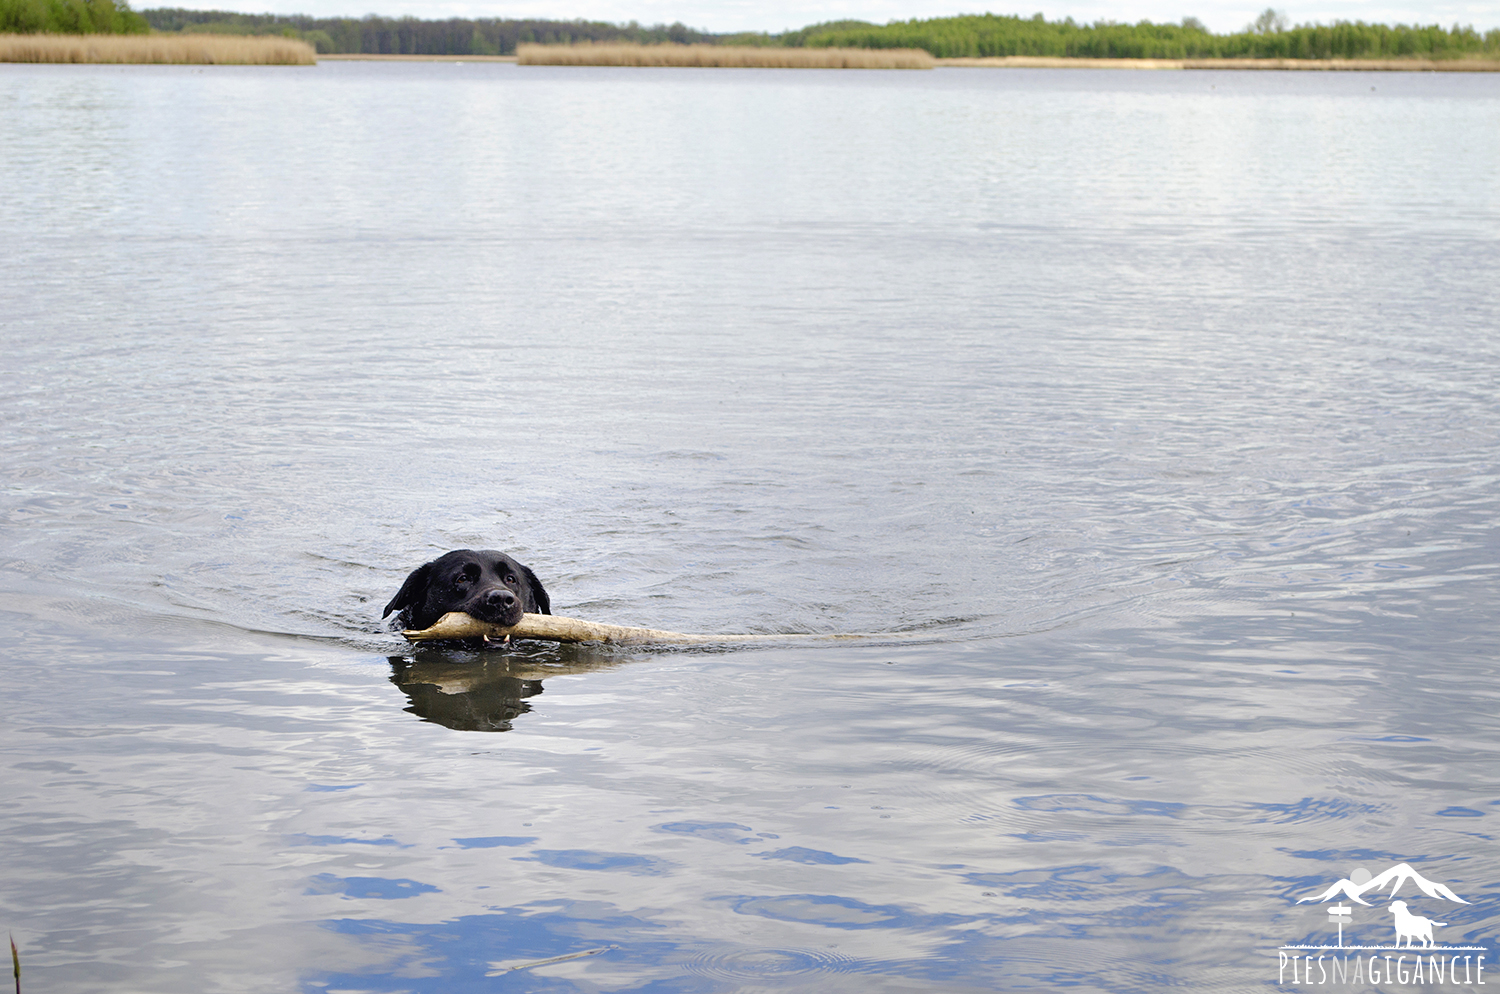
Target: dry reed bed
723,57
372,57
1352,65
158,49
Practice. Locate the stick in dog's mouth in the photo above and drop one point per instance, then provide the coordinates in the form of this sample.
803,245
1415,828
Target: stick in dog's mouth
554,628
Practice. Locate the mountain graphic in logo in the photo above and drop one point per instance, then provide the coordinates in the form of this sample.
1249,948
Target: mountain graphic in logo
1352,887
1412,953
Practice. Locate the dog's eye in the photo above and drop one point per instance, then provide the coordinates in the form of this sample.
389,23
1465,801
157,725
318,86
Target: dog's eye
511,578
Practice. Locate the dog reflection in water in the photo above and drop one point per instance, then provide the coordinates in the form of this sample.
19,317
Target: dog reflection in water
471,696
484,690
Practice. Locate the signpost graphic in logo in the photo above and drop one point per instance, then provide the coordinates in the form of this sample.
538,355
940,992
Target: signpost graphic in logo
1413,936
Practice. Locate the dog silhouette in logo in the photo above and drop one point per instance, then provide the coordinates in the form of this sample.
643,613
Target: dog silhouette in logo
1410,926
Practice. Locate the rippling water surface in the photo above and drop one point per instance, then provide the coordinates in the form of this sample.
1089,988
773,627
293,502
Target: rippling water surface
1149,422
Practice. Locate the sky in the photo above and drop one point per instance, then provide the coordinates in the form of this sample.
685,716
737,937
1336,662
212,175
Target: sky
779,15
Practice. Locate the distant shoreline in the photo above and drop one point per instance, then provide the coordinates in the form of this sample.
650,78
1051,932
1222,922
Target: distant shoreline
210,49
156,49
361,57
1324,65
724,56
1050,62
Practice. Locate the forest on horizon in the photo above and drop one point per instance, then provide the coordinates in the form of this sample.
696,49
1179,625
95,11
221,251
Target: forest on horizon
944,37
1270,36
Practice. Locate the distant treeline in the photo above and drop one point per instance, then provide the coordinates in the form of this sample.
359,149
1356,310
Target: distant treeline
409,36
943,37
72,17
1268,38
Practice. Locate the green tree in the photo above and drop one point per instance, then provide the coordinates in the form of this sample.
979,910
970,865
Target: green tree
1270,21
70,17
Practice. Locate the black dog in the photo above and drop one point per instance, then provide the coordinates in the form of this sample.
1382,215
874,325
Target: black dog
486,585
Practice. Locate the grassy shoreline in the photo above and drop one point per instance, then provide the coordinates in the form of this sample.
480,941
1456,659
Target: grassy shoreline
157,49
208,49
372,57
1315,65
722,57
1058,62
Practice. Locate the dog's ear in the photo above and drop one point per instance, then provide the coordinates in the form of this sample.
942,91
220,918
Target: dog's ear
411,592
538,592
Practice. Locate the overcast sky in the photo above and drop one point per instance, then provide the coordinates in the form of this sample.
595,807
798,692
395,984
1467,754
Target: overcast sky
778,15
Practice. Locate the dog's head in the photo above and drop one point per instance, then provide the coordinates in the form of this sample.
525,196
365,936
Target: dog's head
486,585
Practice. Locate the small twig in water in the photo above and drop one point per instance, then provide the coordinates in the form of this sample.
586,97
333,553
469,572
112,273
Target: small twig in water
501,969
15,959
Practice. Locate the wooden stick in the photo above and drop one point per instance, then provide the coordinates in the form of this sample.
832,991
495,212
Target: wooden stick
457,625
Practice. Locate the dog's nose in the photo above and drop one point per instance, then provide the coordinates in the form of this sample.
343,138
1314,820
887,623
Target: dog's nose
500,600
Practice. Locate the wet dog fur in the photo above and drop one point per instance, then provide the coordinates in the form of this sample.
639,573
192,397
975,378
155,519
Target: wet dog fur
484,584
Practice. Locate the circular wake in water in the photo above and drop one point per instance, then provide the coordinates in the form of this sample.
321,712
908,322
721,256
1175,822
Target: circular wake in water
738,964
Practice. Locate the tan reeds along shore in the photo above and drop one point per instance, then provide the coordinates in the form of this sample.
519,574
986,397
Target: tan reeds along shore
158,49
1347,65
371,57
723,57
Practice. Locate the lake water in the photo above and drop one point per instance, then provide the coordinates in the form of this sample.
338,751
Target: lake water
1149,421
